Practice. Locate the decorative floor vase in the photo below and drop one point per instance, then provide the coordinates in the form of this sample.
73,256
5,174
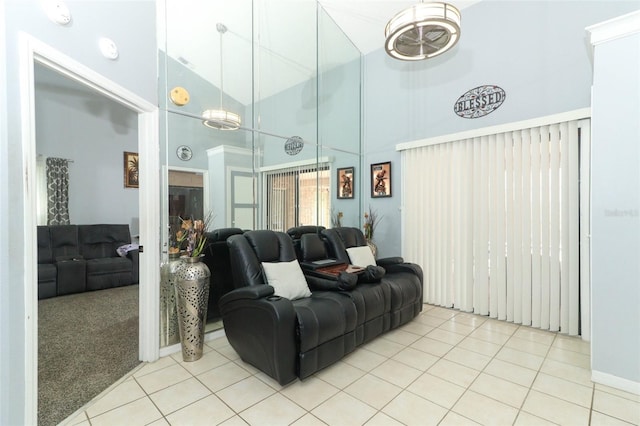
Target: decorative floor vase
373,247
169,333
192,296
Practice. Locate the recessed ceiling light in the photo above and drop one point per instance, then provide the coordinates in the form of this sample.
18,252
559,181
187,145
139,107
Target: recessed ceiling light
108,48
57,11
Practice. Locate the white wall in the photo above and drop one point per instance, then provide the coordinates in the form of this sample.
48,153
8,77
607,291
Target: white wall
535,50
132,26
94,133
615,183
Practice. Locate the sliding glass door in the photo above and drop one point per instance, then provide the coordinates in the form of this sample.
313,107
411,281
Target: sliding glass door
297,196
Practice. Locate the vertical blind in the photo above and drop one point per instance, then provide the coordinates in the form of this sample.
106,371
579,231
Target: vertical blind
494,222
297,196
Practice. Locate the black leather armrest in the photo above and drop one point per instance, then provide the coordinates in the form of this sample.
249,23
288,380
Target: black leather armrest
342,281
252,292
134,255
261,328
389,261
405,267
372,274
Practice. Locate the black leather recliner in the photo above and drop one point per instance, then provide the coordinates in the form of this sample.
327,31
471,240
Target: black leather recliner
283,338
105,269
297,232
287,339
371,297
404,279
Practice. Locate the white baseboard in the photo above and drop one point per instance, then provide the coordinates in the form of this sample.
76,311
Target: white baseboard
615,382
214,335
168,350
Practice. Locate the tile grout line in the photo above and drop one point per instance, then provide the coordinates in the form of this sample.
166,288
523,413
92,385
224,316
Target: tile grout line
177,362
532,383
448,410
593,396
442,328
481,371
148,396
538,370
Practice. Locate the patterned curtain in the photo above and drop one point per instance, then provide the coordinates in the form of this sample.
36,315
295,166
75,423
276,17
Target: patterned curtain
57,191
41,190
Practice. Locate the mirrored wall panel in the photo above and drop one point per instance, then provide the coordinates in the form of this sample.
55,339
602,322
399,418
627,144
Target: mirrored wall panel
261,106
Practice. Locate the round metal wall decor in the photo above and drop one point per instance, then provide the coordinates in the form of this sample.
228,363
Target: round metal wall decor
184,153
293,145
479,101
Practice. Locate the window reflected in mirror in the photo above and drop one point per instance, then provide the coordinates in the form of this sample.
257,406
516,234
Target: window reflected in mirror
186,197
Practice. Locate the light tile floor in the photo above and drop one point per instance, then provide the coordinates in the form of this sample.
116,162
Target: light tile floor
443,368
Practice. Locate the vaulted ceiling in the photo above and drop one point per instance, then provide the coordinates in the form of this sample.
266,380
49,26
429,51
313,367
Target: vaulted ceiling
285,39
190,36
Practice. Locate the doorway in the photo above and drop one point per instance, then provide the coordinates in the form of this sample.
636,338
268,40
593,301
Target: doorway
87,340
36,52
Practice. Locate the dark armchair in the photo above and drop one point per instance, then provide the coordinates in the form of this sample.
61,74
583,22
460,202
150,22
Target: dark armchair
283,338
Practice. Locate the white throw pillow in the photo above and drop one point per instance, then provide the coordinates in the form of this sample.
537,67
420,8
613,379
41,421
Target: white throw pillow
287,279
361,256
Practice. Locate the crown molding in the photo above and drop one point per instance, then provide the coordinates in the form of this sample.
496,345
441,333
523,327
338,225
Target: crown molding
615,28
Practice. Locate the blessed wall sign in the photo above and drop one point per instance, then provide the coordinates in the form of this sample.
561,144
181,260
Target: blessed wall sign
293,145
479,101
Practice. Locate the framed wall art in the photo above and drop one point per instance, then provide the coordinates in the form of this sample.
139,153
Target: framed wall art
381,180
131,169
346,183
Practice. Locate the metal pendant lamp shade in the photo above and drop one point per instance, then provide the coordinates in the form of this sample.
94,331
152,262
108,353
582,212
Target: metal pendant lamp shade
422,31
221,119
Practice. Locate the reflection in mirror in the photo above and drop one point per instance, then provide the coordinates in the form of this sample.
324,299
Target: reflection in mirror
286,63
346,211
295,79
296,194
186,197
339,123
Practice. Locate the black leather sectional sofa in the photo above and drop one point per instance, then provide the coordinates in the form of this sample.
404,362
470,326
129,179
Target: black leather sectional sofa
78,258
289,339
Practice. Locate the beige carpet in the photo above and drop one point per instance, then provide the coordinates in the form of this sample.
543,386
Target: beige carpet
86,342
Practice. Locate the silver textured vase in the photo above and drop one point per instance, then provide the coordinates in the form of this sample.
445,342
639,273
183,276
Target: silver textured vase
192,296
373,247
169,333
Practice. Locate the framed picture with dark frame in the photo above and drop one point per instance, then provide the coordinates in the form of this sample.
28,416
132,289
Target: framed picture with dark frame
131,169
381,180
346,182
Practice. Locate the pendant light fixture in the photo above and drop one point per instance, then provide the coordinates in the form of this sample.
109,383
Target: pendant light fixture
422,31
221,119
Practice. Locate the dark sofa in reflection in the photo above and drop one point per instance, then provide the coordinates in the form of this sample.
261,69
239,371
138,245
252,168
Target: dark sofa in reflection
78,258
216,257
